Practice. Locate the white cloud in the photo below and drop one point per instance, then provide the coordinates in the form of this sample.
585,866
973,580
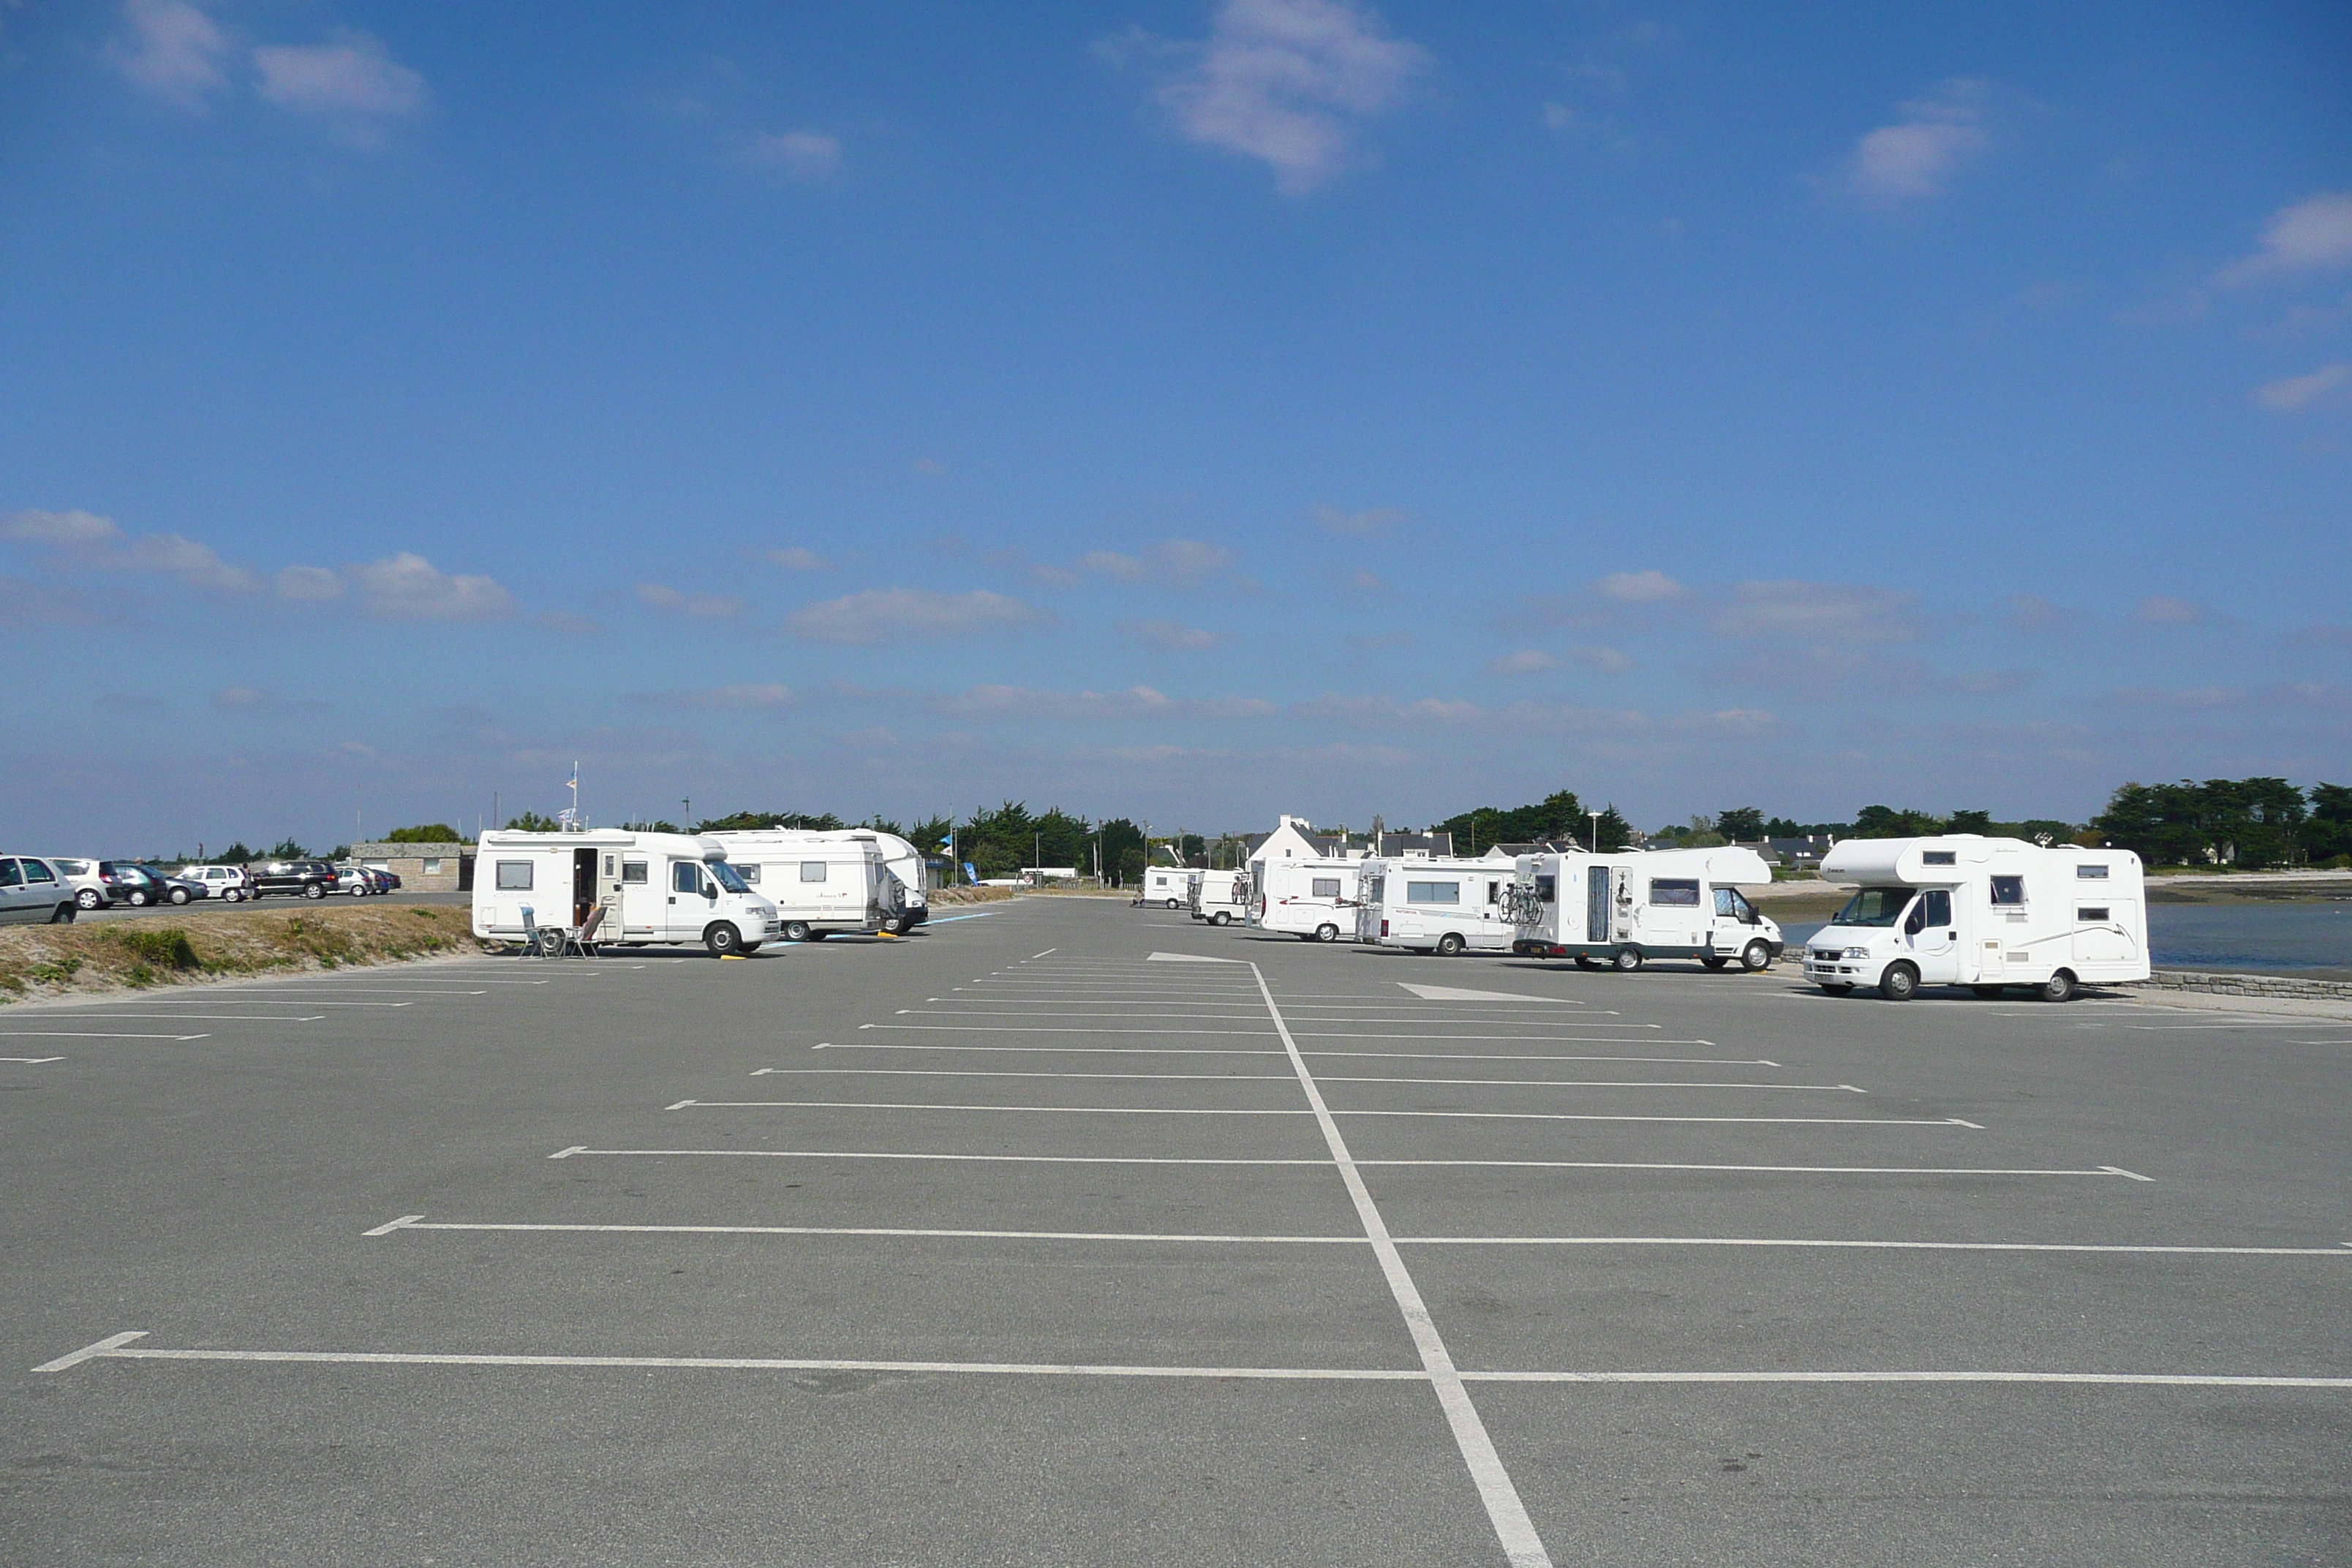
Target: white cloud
720,697
1834,615
1290,83
2310,236
700,606
877,614
242,697
795,155
1174,636
353,82
1177,563
2033,613
307,585
1527,661
1606,660
2290,393
1641,588
171,49
86,541
1383,710
407,586
796,558
1375,521
1915,155
1025,703
2159,610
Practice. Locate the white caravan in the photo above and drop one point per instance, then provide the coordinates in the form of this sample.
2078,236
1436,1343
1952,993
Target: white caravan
1166,885
1985,913
900,859
665,888
820,882
1617,911
1220,898
1313,900
1432,905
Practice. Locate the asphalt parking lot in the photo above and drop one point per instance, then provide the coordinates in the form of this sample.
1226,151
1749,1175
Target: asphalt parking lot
1037,1239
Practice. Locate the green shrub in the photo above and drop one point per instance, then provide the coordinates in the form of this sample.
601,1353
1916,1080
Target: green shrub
166,948
64,969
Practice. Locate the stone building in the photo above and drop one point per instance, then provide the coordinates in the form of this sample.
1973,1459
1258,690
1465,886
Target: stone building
422,868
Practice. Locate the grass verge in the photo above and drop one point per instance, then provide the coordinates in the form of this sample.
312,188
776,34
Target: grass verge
40,962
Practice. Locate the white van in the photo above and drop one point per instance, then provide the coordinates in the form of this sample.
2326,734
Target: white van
1220,898
1616,912
819,883
1165,885
665,888
1987,913
1432,905
1313,900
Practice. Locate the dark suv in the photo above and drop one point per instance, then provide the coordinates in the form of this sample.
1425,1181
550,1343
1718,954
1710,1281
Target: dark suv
310,878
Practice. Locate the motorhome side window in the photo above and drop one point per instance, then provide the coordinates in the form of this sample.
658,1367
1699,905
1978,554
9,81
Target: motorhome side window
1324,888
632,870
749,871
1940,857
514,876
2092,916
1935,910
1547,890
1433,892
812,871
685,876
2092,872
1676,892
2009,889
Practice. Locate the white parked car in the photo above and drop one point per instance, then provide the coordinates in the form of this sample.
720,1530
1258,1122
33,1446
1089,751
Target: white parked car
89,893
231,884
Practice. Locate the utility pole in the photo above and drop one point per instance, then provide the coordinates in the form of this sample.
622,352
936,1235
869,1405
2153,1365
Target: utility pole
686,809
1596,830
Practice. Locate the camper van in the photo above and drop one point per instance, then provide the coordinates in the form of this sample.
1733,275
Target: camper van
1313,900
1220,898
1987,913
1164,886
820,882
1433,905
652,888
1616,912
900,859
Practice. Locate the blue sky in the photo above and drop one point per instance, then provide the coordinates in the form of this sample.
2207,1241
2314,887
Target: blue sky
1184,411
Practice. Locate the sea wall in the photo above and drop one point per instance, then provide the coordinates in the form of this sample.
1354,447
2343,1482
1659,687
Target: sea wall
2281,987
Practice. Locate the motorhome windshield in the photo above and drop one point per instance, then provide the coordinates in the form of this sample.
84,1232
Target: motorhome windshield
728,877
1874,907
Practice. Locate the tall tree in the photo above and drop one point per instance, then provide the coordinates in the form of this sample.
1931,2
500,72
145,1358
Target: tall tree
1740,825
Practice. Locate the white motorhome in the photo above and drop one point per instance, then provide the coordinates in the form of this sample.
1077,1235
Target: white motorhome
1313,900
900,858
820,882
1435,905
1617,911
654,887
1987,913
1166,885
1220,898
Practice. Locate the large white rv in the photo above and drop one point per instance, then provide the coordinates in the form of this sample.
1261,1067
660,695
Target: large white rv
1432,905
1220,898
654,887
820,882
1166,885
900,859
1985,913
1617,911
1313,900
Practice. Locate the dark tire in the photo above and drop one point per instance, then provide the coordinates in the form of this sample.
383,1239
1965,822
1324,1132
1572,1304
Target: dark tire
1988,993
1755,956
891,927
1625,960
139,898
89,898
1327,933
723,939
1221,919
1900,983
1837,990
63,915
315,891
1173,904
2059,987
1586,961
796,930
549,944
233,896
179,895
1714,962
1449,945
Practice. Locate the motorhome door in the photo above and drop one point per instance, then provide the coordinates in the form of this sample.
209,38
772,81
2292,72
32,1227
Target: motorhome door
608,891
691,898
642,913
1596,903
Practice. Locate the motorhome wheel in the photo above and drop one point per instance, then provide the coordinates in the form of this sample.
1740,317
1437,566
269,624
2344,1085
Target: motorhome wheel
2059,987
723,939
796,930
1714,962
1756,955
1171,903
550,943
1221,919
1626,959
1450,944
1327,933
1899,983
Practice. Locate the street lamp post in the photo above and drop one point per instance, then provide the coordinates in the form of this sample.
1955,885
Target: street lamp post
1596,830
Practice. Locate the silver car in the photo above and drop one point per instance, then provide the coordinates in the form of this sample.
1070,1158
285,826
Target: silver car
31,892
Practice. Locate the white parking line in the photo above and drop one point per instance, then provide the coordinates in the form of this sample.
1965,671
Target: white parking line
1770,1170
420,1222
1056,1030
1283,1077
31,1061
119,1347
225,1018
87,1035
893,1105
245,1001
582,1151
1207,1110
2338,1251
1786,1120
1377,1056
578,1151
